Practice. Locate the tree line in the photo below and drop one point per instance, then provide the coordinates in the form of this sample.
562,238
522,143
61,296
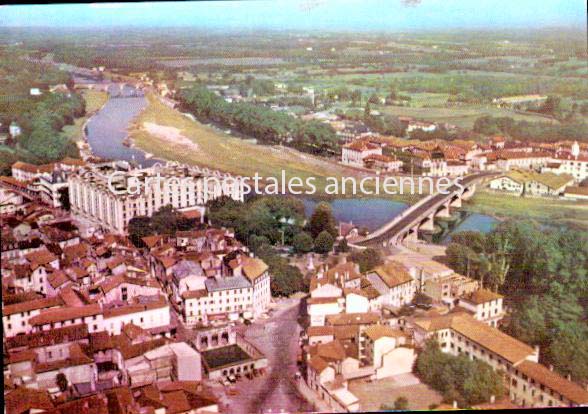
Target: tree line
543,272
260,122
573,129
41,126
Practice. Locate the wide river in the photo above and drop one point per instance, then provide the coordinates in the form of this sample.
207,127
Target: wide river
107,130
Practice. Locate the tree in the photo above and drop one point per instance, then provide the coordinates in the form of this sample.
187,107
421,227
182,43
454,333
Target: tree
286,279
367,259
324,242
458,378
61,381
322,219
569,352
343,246
138,228
302,242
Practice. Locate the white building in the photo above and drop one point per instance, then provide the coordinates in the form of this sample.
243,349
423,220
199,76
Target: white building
355,152
574,164
112,196
395,285
245,293
485,306
521,182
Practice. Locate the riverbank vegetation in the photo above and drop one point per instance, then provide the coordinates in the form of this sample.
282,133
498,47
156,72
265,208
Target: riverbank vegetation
543,272
572,214
47,120
260,122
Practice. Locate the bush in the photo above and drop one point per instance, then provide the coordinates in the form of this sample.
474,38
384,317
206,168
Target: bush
324,242
458,378
302,242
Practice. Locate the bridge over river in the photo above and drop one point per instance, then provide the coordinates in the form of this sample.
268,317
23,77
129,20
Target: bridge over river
421,216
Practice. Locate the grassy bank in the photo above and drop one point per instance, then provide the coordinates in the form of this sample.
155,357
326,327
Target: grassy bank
213,148
569,213
94,101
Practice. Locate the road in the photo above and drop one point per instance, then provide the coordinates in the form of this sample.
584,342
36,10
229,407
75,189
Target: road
275,391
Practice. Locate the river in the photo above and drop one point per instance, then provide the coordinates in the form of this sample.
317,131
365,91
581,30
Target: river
373,213
107,130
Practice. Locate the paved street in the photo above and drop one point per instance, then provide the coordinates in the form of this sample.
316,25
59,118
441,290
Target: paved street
275,391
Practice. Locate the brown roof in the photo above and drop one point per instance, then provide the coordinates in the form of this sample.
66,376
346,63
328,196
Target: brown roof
151,241
490,338
31,168
51,337
346,331
353,318
319,330
554,381
24,400
194,294
64,314
135,308
43,303
57,278
253,268
333,351
393,274
375,332
318,364
321,301
361,146
40,258
21,356
482,296
191,214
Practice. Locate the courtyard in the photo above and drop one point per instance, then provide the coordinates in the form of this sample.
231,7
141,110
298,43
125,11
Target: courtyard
385,391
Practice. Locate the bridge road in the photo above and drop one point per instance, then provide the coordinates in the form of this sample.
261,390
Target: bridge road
395,226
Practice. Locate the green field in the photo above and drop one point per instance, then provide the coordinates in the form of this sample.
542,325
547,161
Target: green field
554,212
463,116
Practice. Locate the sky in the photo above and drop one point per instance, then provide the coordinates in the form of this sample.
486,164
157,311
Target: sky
368,15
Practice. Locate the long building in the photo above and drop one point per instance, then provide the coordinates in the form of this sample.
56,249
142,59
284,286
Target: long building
530,384
112,194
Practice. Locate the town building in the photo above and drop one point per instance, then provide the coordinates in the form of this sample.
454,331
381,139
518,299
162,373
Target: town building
530,183
111,195
355,152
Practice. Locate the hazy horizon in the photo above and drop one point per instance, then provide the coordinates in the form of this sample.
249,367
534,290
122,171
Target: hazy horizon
293,15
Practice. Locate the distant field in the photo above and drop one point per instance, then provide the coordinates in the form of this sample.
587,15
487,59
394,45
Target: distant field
463,117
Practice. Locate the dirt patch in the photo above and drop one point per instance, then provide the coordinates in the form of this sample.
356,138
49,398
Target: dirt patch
169,134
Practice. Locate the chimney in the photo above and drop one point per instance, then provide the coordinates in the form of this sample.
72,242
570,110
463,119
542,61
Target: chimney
550,367
492,399
537,350
569,377
454,404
